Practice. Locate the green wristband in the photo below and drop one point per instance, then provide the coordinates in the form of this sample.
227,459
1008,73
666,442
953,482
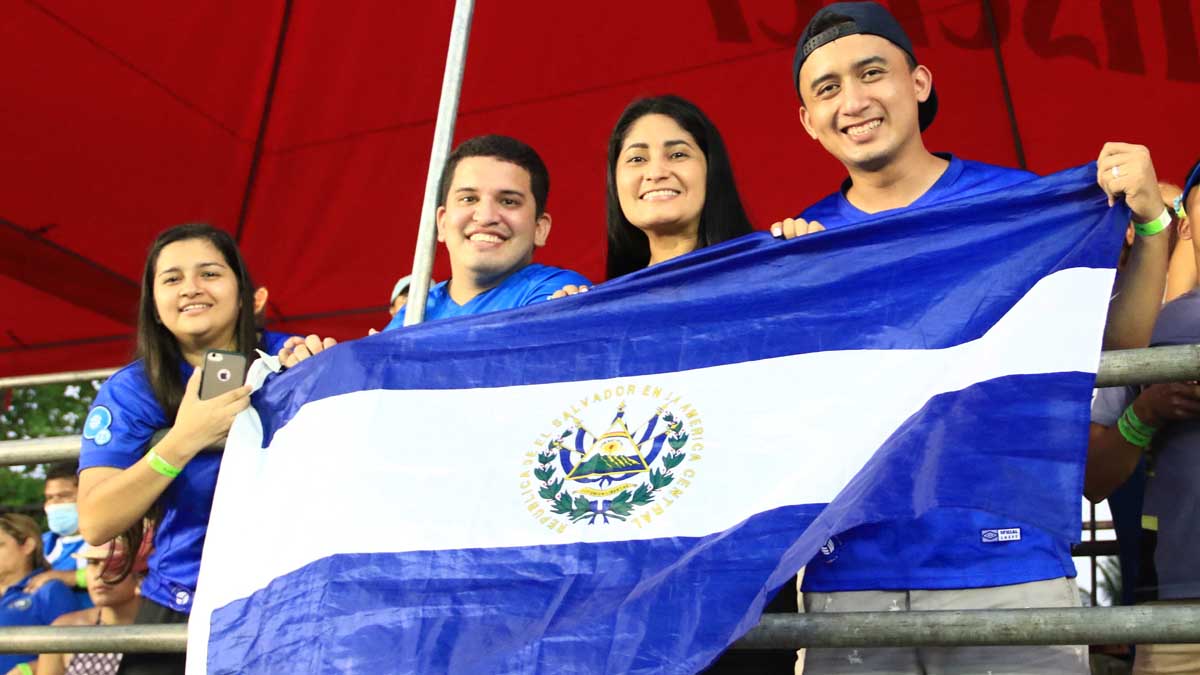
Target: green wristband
1136,422
1130,434
24,669
81,578
161,465
1155,226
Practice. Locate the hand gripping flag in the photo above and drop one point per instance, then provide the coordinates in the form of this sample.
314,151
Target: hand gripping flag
616,482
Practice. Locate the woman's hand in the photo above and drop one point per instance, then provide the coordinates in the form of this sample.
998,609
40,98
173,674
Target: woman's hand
203,423
297,349
569,289
790,228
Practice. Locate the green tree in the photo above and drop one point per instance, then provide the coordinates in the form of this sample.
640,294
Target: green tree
38,412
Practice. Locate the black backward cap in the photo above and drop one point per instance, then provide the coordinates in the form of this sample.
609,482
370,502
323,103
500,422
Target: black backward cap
861,18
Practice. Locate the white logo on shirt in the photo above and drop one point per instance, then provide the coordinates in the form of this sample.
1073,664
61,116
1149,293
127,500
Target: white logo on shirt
997,536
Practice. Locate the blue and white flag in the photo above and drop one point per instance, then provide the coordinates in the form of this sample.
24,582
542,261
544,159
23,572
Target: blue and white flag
617,482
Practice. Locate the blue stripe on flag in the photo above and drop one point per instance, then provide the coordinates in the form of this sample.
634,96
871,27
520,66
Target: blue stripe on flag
660,605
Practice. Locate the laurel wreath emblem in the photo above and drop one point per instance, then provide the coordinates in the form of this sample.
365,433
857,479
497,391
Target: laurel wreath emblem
621,507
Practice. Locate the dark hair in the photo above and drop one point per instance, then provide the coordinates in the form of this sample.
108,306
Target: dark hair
722,217
23,528
156,346
505,149
63,470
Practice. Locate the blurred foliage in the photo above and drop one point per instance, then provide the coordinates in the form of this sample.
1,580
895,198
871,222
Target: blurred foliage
38,412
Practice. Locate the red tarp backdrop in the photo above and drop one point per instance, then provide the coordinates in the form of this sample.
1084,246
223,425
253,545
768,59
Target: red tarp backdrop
305,128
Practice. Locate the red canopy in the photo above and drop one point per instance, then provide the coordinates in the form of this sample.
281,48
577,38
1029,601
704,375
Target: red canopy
305,128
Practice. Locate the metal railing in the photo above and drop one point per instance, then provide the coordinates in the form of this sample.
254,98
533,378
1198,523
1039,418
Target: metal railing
1109,625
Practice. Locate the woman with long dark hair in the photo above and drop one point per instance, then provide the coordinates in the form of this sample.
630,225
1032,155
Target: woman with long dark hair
196,296
670,186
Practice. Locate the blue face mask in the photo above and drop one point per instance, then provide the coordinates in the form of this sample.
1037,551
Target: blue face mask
63,519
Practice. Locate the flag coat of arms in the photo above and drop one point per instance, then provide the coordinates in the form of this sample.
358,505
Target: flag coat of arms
618,481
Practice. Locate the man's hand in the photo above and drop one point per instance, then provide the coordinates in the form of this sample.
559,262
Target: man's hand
297,349
39,580
790,228
1125,170
569,289
1161,404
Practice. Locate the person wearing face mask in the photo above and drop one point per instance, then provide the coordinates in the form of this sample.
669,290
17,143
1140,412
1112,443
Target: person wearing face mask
62,540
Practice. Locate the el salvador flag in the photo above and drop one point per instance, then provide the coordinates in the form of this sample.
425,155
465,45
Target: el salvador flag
617,482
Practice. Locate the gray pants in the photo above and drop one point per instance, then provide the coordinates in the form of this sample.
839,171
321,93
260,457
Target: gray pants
948,660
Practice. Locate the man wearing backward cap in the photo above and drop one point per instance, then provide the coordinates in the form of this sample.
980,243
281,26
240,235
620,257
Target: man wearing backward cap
866,98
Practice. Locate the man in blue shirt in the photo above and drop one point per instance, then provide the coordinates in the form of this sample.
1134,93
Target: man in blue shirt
491,216
62,541
866,99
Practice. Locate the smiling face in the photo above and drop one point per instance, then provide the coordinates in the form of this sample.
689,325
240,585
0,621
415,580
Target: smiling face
860,100
490,224
196,294
661,176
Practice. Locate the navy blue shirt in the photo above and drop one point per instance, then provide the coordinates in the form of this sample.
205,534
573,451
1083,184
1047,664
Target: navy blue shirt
942,549
531,284
40,608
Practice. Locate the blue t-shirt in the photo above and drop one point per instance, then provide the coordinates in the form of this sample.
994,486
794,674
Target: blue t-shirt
531,284
117,433
944,548
58,551
40,608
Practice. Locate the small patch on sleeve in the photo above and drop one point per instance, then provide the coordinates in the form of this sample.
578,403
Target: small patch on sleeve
96,428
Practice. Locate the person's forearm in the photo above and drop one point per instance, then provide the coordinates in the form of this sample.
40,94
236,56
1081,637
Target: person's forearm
1139,294
1110,461
110,506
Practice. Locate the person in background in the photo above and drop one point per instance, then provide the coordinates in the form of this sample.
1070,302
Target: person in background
1156,429
116,603
491,216
400,294
20,559
1181,272
196,295
62,540
670,187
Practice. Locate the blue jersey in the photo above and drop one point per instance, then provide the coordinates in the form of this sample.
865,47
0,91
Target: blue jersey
963,178
40,608
117,434
531,284
59,551
946,547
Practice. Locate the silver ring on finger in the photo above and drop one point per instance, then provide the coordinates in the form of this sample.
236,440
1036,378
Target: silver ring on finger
1116,172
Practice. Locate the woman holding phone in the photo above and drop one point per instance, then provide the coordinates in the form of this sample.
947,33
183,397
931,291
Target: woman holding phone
196,296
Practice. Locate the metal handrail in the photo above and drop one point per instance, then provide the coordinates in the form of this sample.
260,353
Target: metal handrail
55,378
1077,625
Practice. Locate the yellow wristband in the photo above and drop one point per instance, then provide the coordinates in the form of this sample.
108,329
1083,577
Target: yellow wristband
161,465
81,578
1155,226
24,669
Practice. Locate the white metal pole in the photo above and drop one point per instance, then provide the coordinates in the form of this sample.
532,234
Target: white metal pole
443,135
